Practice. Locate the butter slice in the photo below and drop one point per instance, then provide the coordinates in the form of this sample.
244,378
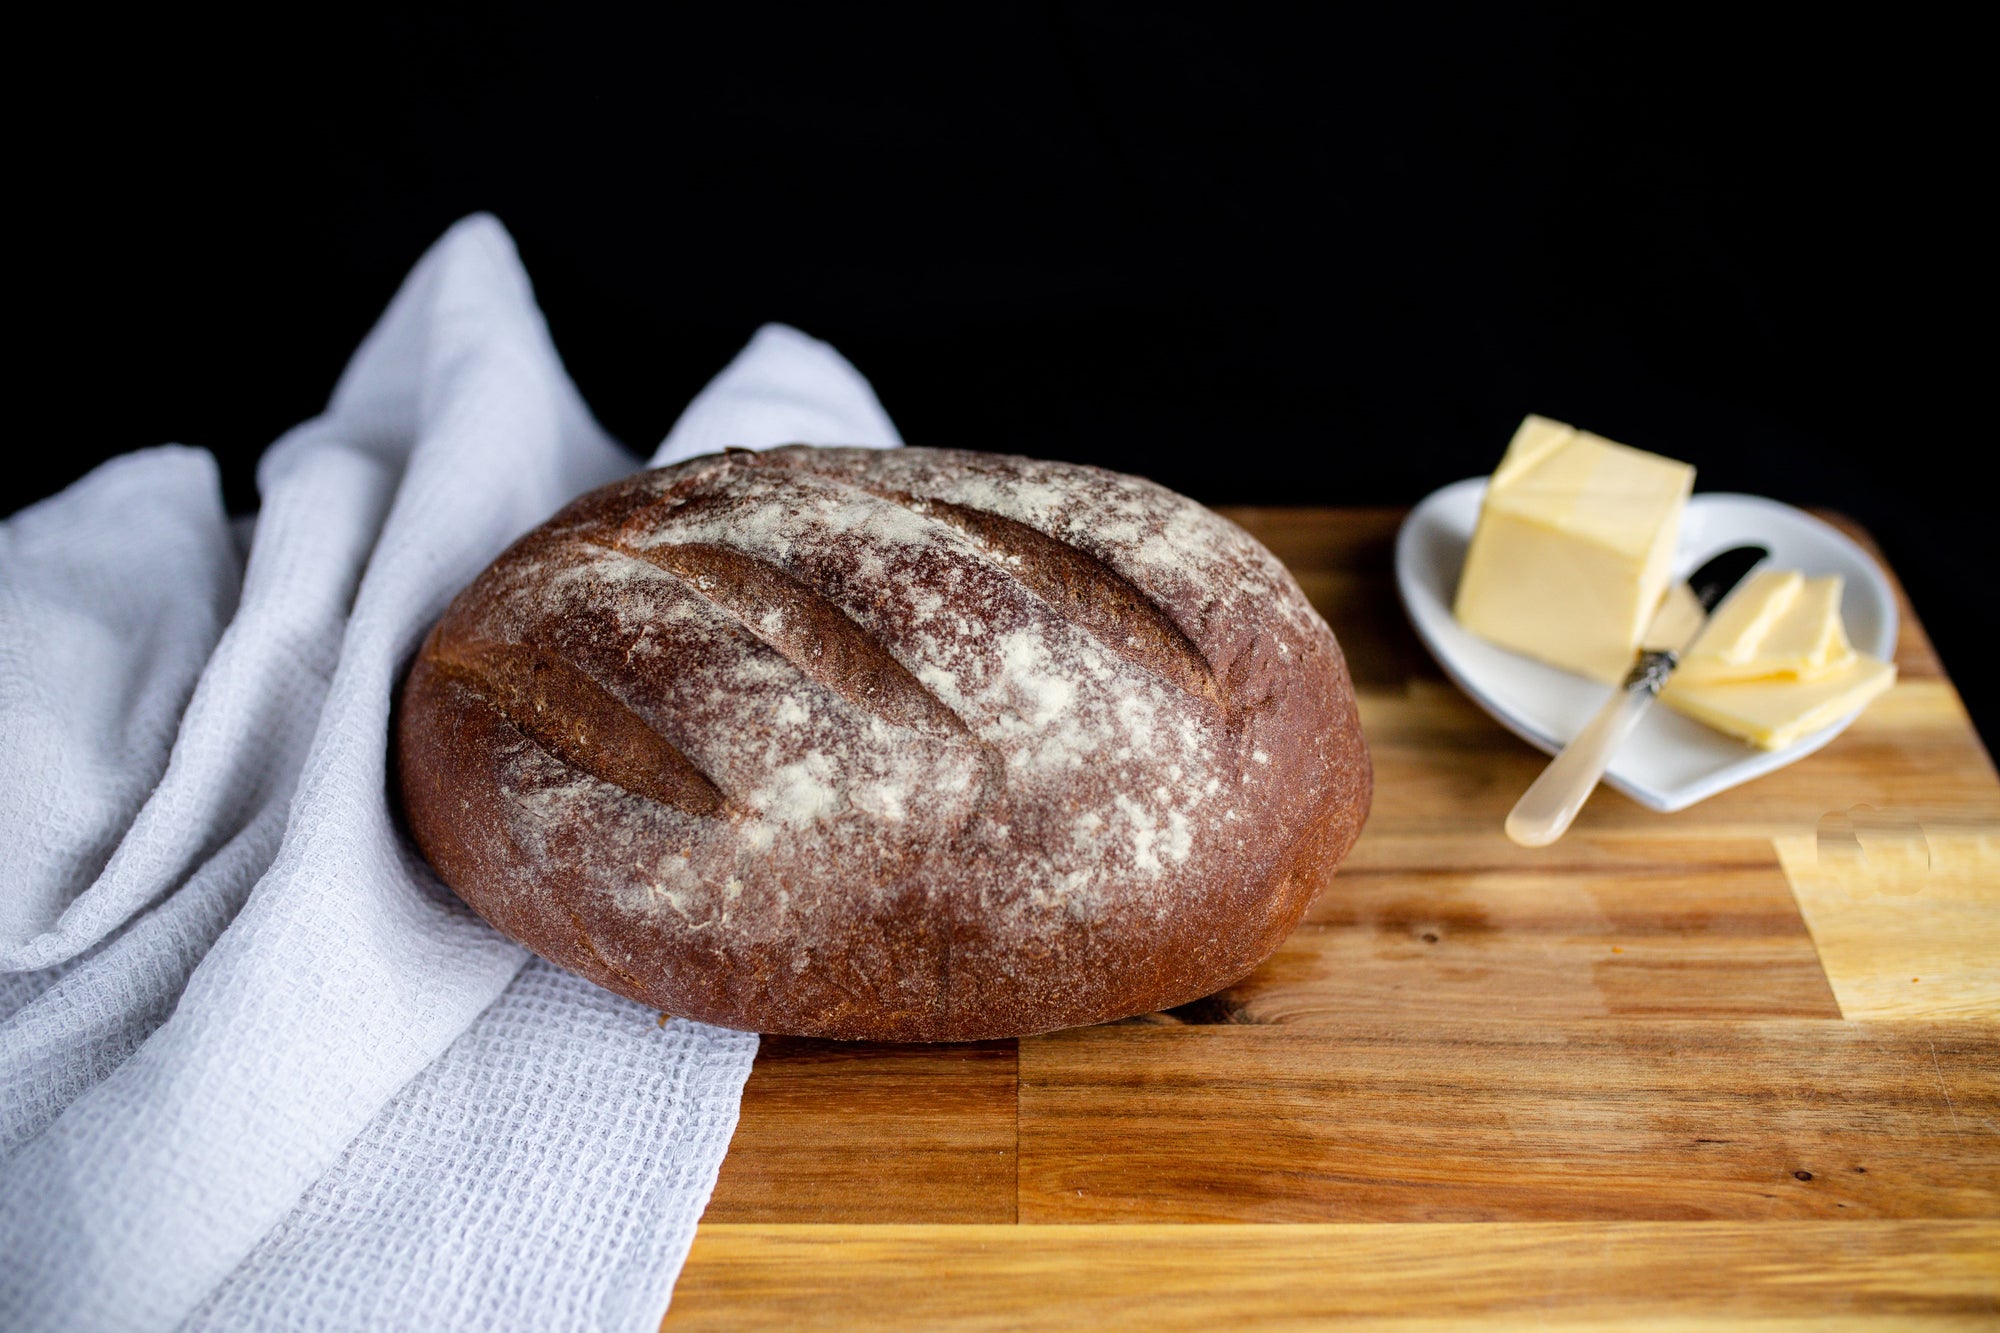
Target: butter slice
1739,626
1810,638
1572,552
1779,623
1777,710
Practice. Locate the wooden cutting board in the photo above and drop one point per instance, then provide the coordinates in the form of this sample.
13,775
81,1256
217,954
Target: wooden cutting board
1740,1062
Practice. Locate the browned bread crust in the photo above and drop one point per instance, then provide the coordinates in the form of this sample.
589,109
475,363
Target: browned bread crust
909,745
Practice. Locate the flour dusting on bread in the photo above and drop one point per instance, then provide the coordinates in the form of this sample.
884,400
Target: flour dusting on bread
1000,744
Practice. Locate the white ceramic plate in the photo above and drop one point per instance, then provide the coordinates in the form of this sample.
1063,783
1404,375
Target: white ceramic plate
1670,762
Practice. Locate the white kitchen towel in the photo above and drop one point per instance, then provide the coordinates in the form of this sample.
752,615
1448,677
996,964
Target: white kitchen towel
257,1067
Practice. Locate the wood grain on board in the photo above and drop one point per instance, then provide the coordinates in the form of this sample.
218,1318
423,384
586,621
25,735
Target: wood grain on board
1803,1275
871,1132
1721,940
1496,1121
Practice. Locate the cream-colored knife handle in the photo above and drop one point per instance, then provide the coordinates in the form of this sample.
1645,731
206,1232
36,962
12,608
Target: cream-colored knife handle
1545,810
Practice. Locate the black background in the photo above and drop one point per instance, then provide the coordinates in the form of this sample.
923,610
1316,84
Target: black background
1255,257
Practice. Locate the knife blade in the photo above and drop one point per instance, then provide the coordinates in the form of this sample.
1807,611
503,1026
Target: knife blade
1547,808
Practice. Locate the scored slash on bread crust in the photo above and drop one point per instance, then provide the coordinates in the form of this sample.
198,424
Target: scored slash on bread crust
906,745
812,633
570,715
1082,587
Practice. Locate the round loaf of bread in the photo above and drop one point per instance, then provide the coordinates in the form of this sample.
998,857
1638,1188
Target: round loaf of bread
908,744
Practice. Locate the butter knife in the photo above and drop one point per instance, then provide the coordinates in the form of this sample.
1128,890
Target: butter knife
1546,809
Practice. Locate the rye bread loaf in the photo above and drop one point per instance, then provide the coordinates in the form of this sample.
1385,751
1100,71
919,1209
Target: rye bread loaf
907,745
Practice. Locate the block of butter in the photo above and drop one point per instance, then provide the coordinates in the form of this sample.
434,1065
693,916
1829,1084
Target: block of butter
1573,548
1774,711
1779,623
